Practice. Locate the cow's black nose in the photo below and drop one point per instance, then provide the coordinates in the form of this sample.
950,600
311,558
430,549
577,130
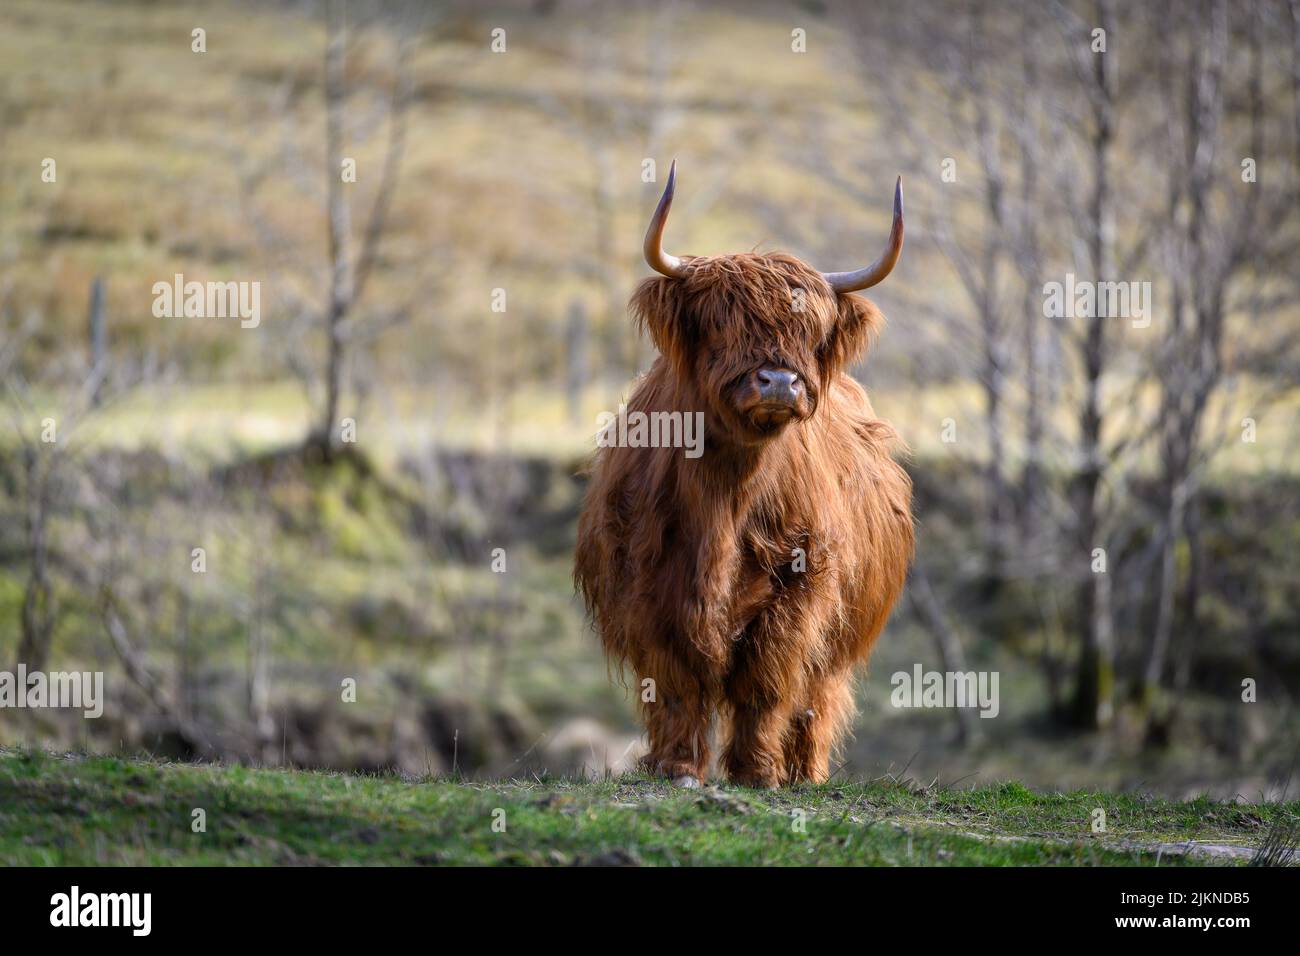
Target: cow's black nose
778,385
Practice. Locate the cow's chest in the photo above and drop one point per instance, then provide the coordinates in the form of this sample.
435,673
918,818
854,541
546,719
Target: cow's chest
765,571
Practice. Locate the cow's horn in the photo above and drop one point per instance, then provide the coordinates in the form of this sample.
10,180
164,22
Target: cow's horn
865,278
655,257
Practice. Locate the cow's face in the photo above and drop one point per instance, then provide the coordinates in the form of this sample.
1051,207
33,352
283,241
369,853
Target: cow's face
756,339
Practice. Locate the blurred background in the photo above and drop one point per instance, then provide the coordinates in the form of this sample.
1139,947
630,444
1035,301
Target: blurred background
233,523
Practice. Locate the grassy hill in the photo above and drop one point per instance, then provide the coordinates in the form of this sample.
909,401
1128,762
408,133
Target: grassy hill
73,810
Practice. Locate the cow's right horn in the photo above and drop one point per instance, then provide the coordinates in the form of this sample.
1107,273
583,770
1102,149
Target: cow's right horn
655,257
865,278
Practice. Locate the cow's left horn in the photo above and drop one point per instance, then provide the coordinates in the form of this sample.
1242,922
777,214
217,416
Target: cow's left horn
655,257
865,278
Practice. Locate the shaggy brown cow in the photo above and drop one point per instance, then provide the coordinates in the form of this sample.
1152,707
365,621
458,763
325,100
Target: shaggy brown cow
748,581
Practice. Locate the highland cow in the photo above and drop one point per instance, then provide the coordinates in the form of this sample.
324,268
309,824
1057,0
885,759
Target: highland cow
749,581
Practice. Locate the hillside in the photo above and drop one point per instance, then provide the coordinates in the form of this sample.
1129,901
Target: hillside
71,810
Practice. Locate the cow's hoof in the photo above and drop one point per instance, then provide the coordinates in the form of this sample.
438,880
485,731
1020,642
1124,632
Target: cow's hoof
756,781
686,782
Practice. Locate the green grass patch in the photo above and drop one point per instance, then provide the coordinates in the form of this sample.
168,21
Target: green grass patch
73,810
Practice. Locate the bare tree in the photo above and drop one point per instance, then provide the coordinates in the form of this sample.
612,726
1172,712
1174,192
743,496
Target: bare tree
1218,232
333,300
1030,133
349,273
48,456
604,123
1094,694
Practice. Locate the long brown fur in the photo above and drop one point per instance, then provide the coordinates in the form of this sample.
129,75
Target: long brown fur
688,566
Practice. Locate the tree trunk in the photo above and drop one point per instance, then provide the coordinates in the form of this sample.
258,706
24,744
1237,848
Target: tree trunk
98,341
340,231
575,361
1095,687
37,619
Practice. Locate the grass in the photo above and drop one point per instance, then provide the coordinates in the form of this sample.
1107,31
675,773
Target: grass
77,810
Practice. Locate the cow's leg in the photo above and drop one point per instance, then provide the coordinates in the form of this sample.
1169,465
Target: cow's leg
817,725
676,709
754,756
760,694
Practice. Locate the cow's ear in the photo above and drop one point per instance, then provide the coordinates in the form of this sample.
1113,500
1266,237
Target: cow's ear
659,307
856,325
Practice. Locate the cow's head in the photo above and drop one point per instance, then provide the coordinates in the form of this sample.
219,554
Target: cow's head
756,338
